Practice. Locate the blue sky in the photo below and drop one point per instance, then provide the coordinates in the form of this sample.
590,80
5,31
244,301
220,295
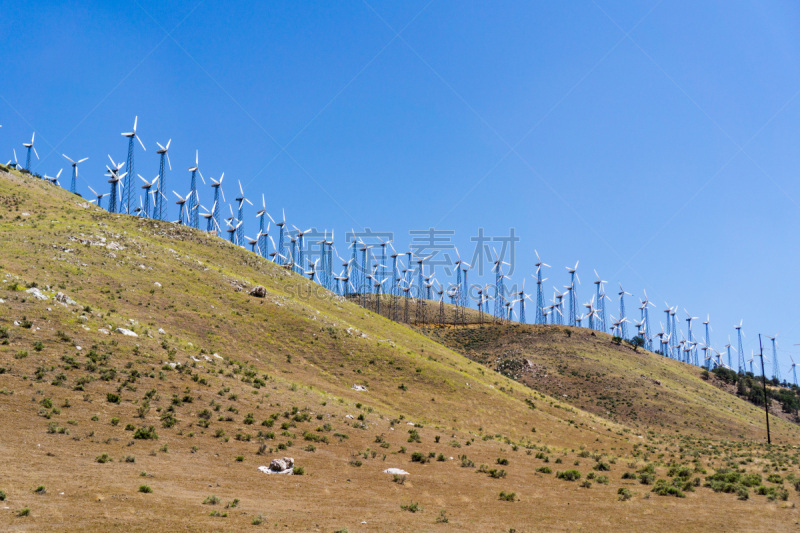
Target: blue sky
652,141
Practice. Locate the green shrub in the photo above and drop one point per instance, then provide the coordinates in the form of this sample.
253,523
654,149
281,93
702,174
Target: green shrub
211,500
419,457
2,496
624,494
103,458
664,488
412,507
544,470
25,511
112,398
145,433
298,471
145,489
508,496
569,475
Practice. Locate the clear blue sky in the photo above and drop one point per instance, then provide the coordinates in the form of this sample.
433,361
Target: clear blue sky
653,141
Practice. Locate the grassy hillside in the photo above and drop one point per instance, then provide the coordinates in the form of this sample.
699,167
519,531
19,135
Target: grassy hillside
637,388
216,382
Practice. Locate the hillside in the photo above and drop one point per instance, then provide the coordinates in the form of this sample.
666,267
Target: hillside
637,388
113,325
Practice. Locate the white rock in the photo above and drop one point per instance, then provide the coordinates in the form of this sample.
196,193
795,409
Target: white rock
361,388
396,471
349,416
161,330
157,284
39,295
126,332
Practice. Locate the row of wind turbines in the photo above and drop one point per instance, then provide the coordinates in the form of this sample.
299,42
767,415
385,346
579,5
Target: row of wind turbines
411,295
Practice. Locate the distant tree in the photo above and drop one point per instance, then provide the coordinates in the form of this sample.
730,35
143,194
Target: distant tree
637,342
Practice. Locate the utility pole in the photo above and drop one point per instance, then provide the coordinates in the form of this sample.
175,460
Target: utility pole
764,384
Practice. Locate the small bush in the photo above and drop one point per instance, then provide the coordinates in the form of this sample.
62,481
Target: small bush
624,494
419,457
508,496
545,470
2,496
663,488
41,490
145,489
103,458
25,511
569,475
112,398
502,461
145,433
211,500
298,470
412,507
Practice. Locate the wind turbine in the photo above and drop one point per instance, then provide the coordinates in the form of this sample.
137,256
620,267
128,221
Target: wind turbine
281,231
98,198
195,170
115,182
540,318
52,180
622,314
498,284
646,317
600,294
241,199
15,164
182,207
741,349
261,231
728,347
30,147
776,370
794,370
573,297
74,164
216,185
131,136
147,186
689,319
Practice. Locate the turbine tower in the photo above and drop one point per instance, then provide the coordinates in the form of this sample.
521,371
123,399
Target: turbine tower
262,233
646,317
776,370
129,185
161,206
241,199
622,315
708,328
742,367
147,186
600,323
195,170
30,147
540,317
728,347
498,286
573,296
74,164
113,173
217,186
